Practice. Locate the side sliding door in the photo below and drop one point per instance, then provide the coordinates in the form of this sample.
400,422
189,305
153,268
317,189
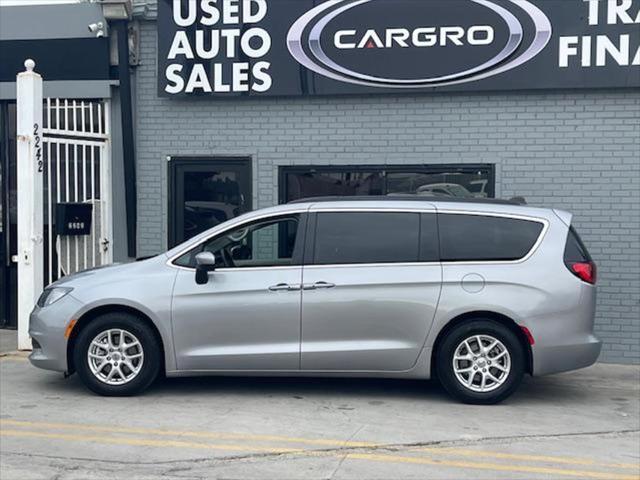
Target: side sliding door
371,286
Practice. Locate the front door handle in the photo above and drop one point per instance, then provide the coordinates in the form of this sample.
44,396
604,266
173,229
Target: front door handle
314,286
284,287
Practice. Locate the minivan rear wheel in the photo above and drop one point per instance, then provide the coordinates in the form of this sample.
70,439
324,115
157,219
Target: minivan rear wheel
117,354
480,361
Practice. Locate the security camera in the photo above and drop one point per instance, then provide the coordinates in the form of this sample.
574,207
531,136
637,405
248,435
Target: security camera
96,27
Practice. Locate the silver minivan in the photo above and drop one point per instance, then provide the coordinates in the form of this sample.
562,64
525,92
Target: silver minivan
474,292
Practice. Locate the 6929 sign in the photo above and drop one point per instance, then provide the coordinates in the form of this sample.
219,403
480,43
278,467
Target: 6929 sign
302,47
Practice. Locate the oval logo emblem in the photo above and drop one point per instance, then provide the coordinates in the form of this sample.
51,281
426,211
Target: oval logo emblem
417,43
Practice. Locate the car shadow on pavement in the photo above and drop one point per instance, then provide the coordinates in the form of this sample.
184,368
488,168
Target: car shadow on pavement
551,389
304,387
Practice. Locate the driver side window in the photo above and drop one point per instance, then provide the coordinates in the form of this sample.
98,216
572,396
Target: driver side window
266,243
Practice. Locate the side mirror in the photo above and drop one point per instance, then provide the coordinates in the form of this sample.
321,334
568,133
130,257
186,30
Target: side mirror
205,263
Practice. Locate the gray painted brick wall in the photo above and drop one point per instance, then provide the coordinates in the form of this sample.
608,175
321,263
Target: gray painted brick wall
574,150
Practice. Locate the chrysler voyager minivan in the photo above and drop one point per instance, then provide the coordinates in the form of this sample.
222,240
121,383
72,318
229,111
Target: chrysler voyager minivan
475,292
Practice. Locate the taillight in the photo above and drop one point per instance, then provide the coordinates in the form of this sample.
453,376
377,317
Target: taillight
585,271
577,258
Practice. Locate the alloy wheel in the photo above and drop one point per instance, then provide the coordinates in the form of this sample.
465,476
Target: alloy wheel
115,356
481,363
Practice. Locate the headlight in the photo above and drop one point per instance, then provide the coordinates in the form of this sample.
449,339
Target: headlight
52,295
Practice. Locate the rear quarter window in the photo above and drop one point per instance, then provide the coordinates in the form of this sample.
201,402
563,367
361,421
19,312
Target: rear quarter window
575,250
486,238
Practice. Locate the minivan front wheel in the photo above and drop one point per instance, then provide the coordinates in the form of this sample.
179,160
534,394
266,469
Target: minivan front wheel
117,354
480,362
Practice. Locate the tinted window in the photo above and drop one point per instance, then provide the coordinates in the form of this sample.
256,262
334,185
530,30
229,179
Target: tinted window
477,237
574,250
262,244
442,180
366,237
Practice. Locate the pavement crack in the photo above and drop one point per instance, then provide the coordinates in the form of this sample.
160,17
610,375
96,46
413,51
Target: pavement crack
503,439
335,470
342,451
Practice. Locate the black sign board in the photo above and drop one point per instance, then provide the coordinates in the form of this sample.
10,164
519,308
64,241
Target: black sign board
226,48
56,59
73,218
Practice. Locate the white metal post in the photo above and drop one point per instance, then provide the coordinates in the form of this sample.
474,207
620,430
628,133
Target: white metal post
30,163
106,212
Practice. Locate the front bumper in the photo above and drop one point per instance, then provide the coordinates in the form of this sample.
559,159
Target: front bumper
562,358
47,327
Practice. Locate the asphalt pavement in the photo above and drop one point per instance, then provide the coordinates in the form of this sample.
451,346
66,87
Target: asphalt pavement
584,424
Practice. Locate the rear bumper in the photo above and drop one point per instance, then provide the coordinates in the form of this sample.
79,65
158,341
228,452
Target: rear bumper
564,340
561,358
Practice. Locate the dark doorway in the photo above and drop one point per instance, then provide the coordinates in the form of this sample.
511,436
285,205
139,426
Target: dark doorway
204,192
8,216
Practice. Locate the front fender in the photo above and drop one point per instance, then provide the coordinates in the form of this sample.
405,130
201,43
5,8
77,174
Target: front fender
144,287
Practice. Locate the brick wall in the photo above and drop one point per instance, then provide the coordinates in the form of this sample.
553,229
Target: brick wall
573,150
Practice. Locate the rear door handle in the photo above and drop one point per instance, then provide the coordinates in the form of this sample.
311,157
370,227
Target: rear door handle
317,285
284,287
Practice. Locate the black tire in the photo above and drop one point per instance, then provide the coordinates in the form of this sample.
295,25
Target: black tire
152,359
445,357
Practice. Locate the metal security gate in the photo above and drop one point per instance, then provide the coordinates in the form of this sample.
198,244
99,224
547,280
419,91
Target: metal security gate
77,169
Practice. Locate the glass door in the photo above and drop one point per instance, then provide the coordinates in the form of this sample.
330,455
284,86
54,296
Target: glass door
204,192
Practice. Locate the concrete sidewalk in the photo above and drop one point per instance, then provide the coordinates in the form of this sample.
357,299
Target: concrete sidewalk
8,340
583,424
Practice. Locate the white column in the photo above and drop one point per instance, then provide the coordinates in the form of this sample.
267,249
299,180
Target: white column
30,163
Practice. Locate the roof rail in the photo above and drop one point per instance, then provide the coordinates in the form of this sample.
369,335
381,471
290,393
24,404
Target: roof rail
410,198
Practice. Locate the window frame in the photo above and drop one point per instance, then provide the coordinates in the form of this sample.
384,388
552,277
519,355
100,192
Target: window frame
306,232
490,169
179,164
309,248
296,258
